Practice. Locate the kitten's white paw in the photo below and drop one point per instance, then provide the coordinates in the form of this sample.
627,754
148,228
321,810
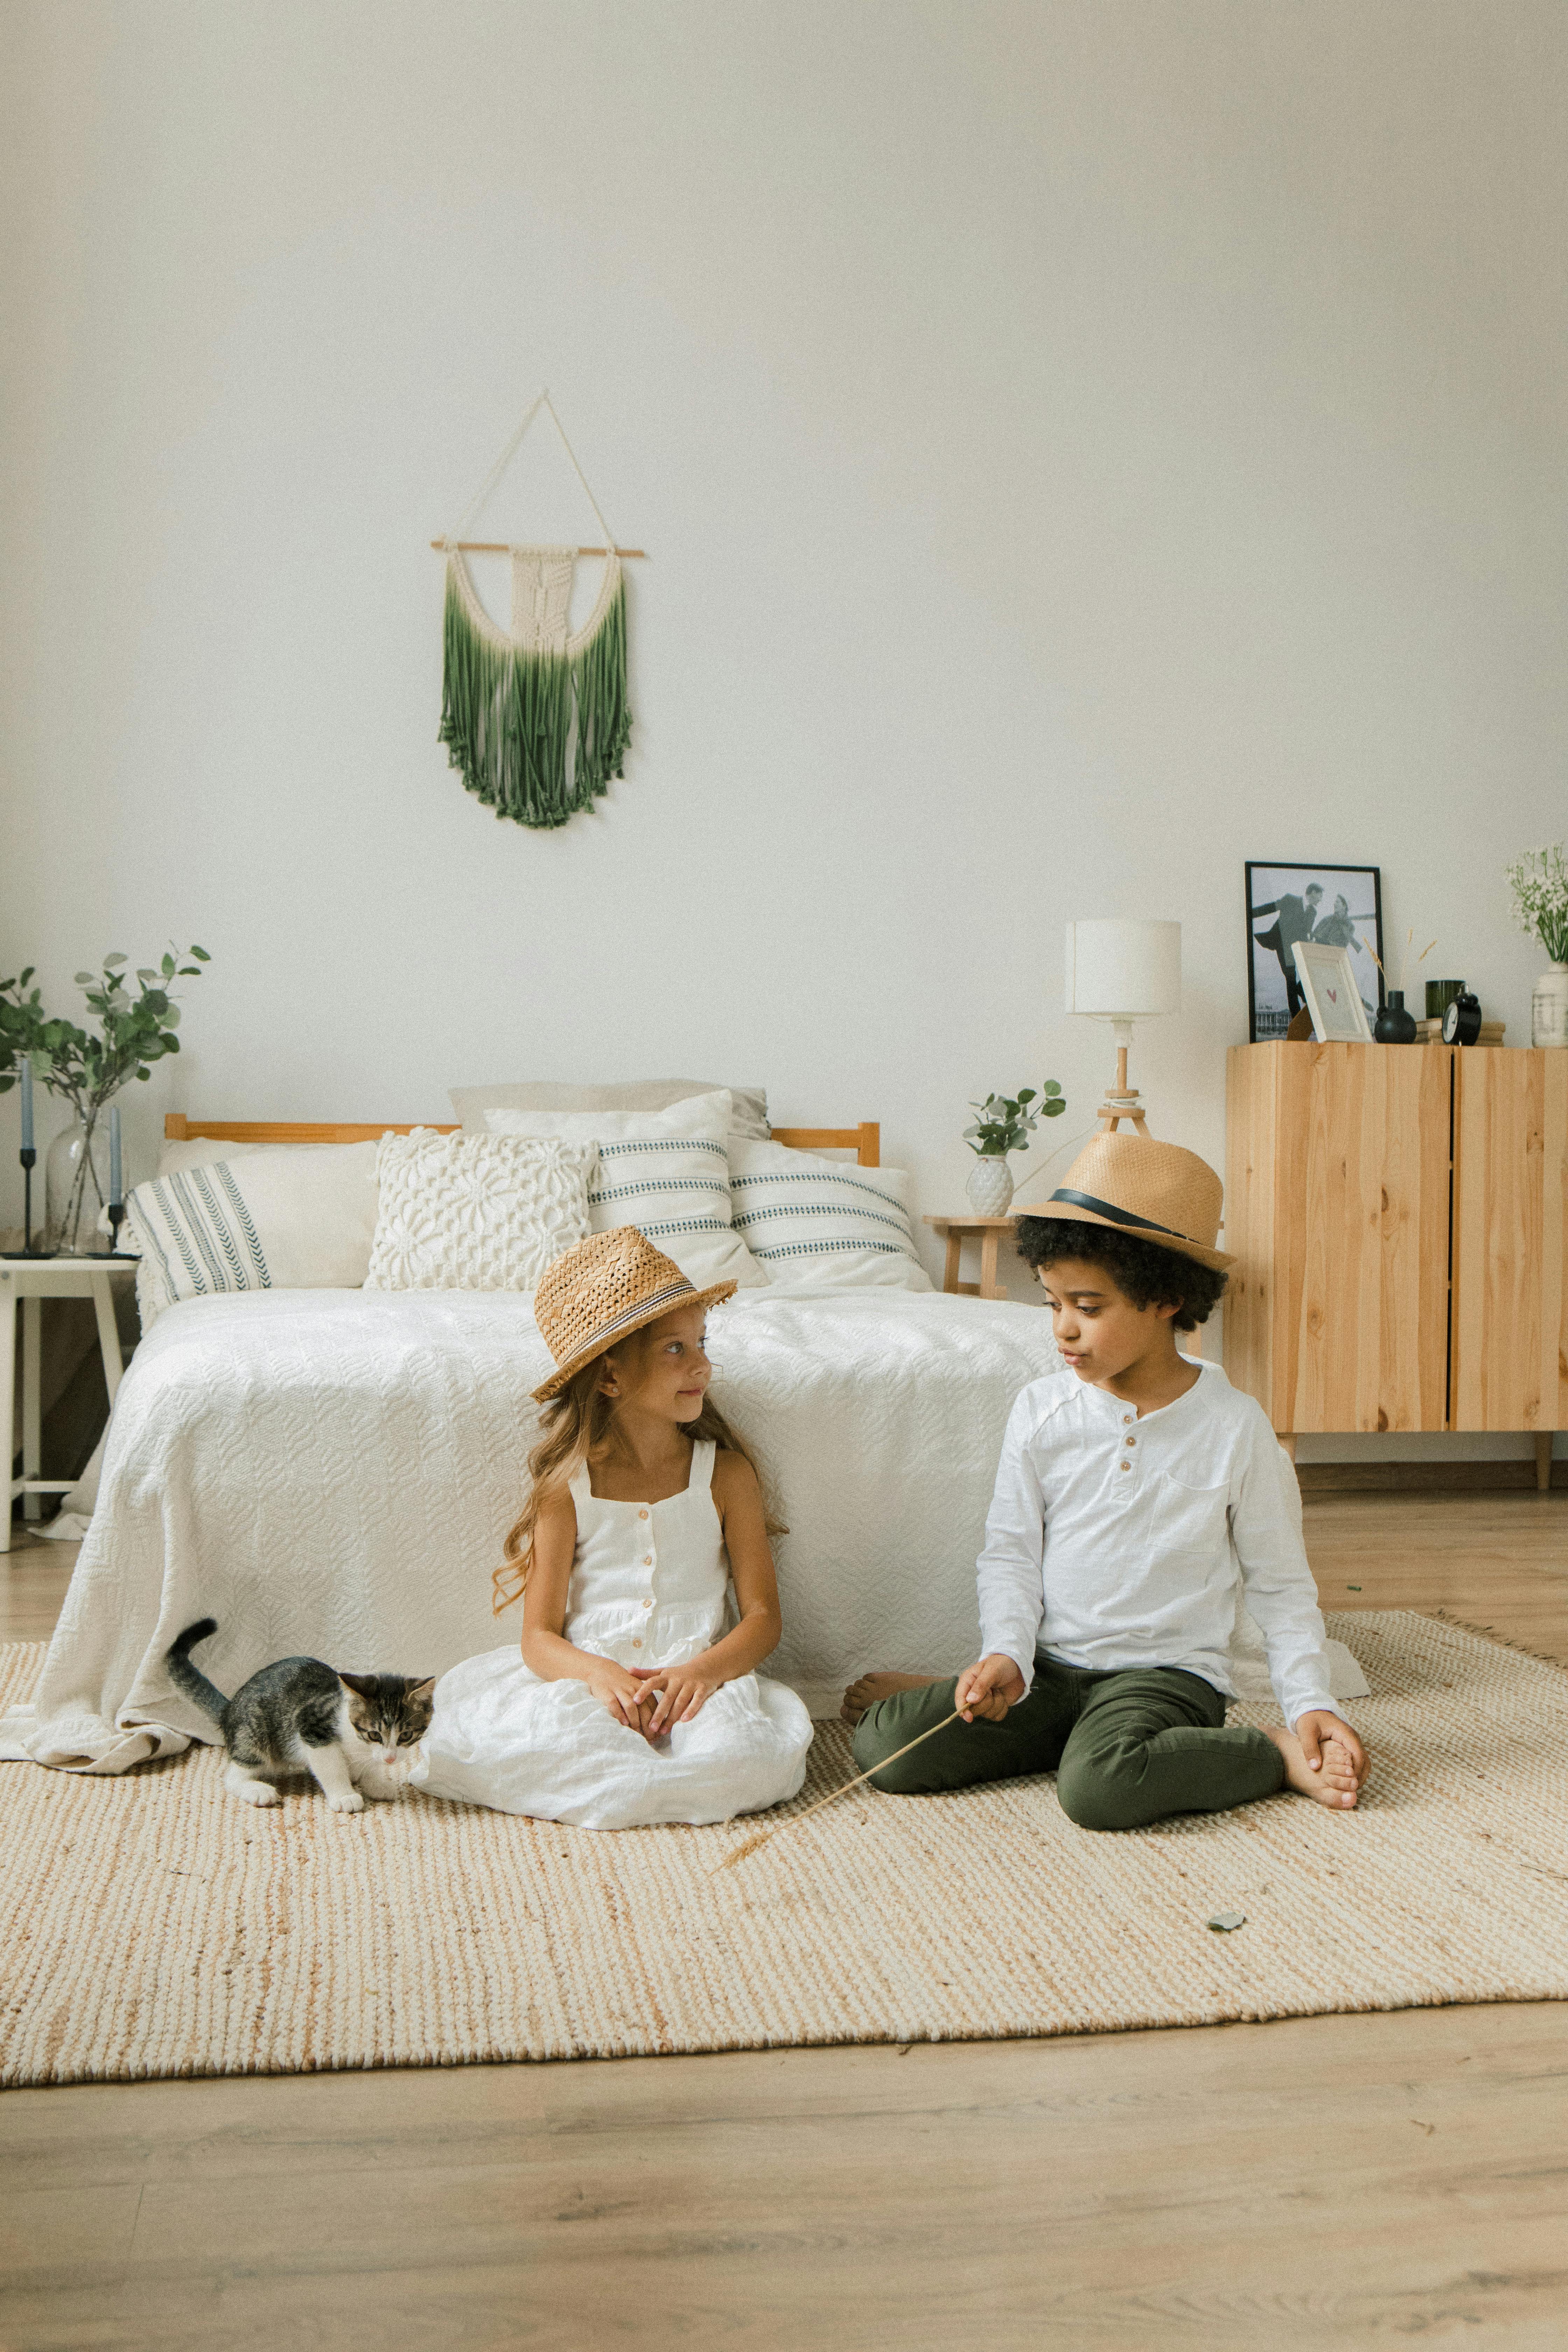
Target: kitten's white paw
251,1792
348,1801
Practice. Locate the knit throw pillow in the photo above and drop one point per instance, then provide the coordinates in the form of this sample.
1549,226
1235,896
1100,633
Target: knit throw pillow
820,1224
475,1211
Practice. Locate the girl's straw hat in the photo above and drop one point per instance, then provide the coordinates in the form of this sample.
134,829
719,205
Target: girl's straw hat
1156,1191
608,1286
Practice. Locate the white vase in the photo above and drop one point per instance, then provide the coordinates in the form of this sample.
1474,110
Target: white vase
990,1187
1548,1007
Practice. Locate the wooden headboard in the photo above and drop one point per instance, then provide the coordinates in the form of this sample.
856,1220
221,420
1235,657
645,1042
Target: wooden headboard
864,1141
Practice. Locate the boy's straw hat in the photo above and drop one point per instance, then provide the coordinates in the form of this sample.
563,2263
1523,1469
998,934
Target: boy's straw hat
604,1288
1156,1191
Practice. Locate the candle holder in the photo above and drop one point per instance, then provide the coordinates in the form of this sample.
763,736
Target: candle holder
29,1160
116,1213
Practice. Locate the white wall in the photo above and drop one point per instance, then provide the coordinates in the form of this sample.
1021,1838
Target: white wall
1080,447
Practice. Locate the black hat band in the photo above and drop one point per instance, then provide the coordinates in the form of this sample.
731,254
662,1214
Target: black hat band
1108,1209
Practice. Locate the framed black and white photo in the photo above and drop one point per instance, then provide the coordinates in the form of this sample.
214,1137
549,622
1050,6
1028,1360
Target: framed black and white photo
1324,906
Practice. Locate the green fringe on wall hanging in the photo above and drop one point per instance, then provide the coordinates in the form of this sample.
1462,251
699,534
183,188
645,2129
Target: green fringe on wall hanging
535,721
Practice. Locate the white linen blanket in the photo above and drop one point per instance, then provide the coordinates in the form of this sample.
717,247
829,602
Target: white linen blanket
332,1473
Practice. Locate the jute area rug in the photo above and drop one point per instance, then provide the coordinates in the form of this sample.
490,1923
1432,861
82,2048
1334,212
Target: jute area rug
151,1925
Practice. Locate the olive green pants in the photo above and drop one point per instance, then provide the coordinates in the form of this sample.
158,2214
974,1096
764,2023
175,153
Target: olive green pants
1127,1748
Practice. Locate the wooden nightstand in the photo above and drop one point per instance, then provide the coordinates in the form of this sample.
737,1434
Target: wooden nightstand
988,1233
24,1282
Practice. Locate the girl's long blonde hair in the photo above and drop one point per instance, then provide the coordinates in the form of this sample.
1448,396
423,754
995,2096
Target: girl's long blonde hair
576,1423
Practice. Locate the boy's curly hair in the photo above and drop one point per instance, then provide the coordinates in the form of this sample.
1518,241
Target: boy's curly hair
1144,1270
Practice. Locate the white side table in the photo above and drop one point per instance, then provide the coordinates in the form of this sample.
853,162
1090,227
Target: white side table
29,1281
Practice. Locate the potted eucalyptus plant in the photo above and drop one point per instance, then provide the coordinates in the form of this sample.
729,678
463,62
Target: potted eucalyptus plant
1004,1124
136,1029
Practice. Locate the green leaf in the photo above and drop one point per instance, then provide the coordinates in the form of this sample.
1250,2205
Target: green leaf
172,1017
143,1074
86,979
1026,1094
170,1045
1054,1109
168,967
201,955
111,960
1052,1088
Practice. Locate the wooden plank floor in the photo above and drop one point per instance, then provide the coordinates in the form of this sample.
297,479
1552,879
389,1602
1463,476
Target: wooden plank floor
1337,2181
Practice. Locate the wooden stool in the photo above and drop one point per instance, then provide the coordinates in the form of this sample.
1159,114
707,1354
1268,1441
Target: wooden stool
988,1232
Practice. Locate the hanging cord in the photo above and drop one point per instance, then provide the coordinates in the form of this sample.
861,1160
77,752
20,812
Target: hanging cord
492,478
1029,1174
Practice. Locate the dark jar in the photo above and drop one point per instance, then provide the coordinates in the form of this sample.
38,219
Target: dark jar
1393,1025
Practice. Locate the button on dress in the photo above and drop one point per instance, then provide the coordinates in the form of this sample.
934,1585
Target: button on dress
649,1584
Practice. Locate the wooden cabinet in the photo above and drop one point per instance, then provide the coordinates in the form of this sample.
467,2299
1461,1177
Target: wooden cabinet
1399,1215
1509,1359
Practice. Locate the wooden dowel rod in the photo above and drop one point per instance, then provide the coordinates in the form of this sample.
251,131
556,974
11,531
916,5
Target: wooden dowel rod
503,547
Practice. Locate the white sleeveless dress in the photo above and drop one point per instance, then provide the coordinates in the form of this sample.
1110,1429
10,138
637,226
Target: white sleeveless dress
649,1584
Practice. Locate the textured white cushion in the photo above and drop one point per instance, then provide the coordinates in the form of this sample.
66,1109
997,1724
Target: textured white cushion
748,1105
815,1222
475,1211
667,1173
286,1218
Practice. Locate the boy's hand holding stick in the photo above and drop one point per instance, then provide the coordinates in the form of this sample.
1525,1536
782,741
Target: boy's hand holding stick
988,1689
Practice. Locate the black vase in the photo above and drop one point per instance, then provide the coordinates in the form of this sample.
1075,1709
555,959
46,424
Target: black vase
1393,1025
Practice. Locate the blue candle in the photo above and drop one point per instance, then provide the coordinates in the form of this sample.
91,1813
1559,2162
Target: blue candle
116,1189
26,1102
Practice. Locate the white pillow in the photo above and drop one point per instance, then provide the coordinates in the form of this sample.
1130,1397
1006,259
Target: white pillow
748,1105
813,1222
667,1173
202,1151
475,1211
289,1218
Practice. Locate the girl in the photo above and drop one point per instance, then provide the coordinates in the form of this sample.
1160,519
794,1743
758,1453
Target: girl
631,1701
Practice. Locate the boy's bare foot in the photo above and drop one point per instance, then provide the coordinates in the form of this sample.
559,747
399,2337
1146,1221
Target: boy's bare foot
1333,1783
871,1688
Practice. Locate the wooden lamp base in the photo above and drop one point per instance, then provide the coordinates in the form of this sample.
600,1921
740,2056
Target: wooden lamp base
1121,1102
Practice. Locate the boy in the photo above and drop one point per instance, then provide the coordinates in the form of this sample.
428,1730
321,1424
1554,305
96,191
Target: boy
1131,1487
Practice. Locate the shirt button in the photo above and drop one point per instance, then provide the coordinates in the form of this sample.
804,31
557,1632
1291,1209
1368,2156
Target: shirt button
1127,1465
636,1645
1126,1417
648,1604
1131,1441
648,1559
642,1515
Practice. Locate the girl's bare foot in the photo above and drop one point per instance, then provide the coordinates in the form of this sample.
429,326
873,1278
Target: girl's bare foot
871,1688
1333,1783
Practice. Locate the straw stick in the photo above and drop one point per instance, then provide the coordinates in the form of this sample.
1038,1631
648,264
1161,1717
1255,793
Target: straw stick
751,1843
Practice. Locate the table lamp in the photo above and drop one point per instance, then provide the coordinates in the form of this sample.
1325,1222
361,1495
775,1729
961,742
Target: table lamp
1123,972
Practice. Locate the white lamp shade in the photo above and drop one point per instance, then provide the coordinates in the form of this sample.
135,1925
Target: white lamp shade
1123,972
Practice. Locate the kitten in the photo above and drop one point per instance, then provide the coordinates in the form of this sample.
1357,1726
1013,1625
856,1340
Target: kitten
352,1732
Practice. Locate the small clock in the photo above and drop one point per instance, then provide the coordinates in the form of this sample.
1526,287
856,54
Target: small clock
1462,1021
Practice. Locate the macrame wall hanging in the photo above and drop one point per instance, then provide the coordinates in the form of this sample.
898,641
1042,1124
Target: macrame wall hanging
535,721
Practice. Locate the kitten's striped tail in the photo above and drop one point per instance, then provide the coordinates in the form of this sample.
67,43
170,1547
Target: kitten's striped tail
190,1679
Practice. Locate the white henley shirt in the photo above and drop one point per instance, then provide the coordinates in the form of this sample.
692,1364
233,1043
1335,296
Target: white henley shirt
1117,1539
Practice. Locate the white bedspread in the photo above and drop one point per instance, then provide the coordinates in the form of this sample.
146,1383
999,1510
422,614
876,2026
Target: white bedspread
332,1473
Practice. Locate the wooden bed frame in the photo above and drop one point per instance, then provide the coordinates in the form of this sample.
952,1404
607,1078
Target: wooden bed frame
864,1141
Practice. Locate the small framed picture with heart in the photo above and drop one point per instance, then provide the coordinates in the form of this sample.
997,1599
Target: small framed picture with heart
1314,945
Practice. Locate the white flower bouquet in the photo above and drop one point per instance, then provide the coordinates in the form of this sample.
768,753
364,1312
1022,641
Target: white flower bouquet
1538,881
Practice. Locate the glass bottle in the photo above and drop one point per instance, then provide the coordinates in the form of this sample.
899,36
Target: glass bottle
76,1187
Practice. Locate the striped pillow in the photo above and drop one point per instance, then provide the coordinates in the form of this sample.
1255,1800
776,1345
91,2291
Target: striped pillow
288,1219
667,1173
814,1222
